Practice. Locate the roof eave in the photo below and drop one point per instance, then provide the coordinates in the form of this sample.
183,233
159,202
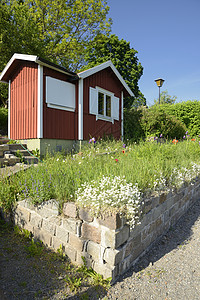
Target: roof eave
98,68
36,59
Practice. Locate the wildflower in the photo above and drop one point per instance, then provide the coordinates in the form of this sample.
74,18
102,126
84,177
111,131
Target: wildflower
124,145
123,151
175,141
193,140
186,132
184,137
92,140
161,135
116,160
155,138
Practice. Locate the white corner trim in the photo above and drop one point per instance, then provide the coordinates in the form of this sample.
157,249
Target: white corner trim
80,110
40,103
122,115
9,91
105,65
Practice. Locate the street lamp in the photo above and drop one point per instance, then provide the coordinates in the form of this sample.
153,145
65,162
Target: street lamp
159,83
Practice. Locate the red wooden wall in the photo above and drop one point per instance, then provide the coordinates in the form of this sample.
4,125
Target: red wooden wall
107,80
58,124
23,102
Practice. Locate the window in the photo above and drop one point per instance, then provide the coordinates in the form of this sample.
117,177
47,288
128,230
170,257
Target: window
60,94
108,106
100,103
103,104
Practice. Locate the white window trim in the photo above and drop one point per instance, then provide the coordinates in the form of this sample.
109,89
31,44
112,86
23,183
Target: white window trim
60,107
105,92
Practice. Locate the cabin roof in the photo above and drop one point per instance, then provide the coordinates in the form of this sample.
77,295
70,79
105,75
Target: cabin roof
16,58
103,66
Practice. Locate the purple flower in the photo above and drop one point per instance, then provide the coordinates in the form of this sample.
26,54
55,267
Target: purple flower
124,145
92,140
184,137
155,138
161,135
186,132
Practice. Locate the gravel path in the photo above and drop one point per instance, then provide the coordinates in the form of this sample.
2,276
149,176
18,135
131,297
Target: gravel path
170,270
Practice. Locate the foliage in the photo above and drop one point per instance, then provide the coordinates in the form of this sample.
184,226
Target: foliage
133,169
104,48
155,122
3,119
132,124
56,30
165,98
188,113
111,192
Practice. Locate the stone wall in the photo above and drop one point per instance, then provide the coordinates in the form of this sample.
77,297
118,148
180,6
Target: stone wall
108,244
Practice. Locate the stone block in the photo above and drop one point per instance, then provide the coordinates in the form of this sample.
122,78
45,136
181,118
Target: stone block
94,250
49,226
22,216
136,251
106,271
70,210
62,234
88,259
147,205
35,220
4,147
85,215
91,233
43,236
70,252
114,239
113,221
132,243
76,242
71,225
56,243
162,198
113,256
46,212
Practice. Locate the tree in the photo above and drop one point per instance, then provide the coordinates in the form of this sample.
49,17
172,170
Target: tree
165,98
103,48
67,26
58,30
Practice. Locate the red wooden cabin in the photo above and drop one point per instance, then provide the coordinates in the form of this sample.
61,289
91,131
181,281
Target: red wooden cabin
50,106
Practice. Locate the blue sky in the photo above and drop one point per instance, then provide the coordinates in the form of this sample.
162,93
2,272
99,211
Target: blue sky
166,35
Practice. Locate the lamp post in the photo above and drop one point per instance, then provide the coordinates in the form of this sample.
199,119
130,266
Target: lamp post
159,83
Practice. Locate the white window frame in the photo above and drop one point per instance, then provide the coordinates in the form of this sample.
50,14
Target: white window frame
104,92
93,104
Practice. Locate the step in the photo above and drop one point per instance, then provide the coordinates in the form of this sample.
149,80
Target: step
4,141
30,160
9,162
22,152
17,146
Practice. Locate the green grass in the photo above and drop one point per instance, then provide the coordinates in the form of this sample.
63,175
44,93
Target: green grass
59,176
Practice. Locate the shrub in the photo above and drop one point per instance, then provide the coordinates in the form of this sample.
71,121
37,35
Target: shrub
156,121
3,120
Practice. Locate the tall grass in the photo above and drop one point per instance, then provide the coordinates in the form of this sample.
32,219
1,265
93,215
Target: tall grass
150,165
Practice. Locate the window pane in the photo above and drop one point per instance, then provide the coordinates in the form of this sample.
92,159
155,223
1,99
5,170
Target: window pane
108,106
100,104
